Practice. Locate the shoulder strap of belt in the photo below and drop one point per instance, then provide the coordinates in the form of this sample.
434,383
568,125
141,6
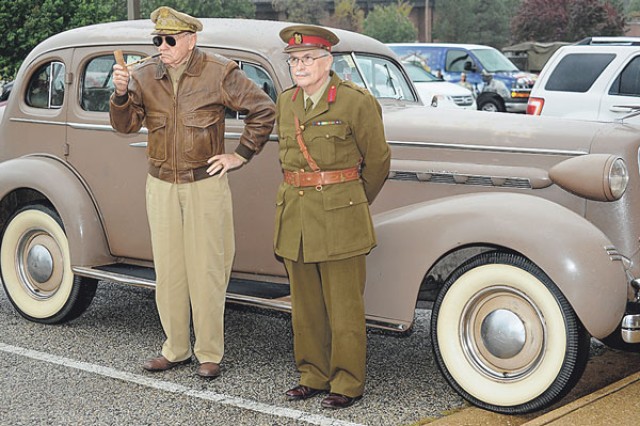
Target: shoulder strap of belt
303,147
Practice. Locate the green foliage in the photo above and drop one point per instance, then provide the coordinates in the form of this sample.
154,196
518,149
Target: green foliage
203,8
303,11
25,23
391,23
474,21
347,16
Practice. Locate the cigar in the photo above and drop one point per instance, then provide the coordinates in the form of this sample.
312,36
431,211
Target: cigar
142,60
120,59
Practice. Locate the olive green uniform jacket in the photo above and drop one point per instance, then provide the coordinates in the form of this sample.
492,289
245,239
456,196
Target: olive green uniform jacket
345,129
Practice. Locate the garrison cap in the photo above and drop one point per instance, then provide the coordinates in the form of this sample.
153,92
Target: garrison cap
307,37
169,21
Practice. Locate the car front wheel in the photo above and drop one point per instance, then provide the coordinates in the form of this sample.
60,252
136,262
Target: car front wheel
36,268
505,337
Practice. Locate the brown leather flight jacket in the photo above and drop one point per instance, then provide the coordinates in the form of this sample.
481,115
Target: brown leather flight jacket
187,129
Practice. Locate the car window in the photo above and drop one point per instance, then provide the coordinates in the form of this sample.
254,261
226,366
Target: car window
382,77
428,58
46,87
628,82
261,78
97,82
577,72
456,60
494,61
418,74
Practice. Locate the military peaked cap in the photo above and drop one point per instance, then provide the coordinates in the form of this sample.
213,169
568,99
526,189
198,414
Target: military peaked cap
306,37
169,21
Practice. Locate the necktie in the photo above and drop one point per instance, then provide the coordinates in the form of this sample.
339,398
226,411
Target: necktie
309,106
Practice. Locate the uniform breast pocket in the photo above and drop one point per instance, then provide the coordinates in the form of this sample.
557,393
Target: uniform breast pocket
157,128
202,130
334,141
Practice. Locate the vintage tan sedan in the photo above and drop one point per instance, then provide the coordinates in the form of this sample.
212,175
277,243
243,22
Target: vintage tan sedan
521,232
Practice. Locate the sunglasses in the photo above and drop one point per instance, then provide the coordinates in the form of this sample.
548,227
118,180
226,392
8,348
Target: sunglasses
170,40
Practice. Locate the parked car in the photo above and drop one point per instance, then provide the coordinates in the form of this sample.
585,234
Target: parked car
596,79
520,232
6,91
499,84
437,92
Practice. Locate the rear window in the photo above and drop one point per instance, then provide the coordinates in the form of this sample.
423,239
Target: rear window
628,82
576,72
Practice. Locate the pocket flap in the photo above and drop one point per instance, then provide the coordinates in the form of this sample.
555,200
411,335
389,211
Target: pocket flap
344,198
200,119
155,121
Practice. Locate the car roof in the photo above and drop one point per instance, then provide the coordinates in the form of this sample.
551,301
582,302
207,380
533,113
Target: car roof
609,41
461,45
242,34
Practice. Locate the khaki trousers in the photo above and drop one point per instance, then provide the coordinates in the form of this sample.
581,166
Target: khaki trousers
193,247
329,330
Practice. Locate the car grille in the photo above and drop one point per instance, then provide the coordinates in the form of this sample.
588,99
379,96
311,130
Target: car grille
463,101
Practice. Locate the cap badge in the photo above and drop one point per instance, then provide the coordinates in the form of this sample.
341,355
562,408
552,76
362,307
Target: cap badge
297,38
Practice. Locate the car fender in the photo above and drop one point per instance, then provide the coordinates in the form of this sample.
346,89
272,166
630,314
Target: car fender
71,199
569,249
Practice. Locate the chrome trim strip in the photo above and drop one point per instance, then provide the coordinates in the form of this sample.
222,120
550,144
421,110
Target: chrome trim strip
488,148
108,128
235,298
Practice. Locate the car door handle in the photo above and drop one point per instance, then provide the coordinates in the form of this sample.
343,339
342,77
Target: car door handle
138,144
624,108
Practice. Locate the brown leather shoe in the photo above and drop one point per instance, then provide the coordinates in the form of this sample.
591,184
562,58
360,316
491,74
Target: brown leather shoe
208,370
301,392
335,401
161,364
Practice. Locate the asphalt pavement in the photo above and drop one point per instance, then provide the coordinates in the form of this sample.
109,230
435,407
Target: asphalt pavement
88,372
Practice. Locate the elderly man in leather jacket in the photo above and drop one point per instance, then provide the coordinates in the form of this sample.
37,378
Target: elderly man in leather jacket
181,99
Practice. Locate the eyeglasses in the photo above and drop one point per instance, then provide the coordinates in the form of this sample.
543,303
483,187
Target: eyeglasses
170,40
306,60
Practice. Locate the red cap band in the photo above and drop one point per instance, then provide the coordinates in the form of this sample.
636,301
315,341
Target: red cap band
311,41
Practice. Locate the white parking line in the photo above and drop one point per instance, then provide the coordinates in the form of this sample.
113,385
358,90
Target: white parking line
246,404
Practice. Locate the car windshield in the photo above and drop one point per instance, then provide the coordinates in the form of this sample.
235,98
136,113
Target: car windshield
418,74
379,75
494,61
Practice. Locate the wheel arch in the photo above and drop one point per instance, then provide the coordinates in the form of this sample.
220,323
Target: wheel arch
412,240
490,96
29,179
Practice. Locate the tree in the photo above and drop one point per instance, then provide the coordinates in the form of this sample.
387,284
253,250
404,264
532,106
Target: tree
567,20
391,23
204,8
25,23
304,11
347,16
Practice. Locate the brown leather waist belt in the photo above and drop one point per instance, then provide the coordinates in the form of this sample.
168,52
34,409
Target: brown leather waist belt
317,179
182,176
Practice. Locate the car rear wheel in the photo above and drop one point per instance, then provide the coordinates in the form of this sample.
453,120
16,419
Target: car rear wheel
490,104
36,268
505,337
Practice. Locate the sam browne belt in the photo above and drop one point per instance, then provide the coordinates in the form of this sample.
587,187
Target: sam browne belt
317,179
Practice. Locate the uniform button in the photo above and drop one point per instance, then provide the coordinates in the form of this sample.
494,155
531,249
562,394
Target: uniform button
326,136
301,193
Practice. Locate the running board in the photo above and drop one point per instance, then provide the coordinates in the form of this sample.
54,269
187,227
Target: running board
242,291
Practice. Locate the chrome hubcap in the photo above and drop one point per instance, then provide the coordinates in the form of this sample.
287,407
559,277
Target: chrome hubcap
40,264
503,333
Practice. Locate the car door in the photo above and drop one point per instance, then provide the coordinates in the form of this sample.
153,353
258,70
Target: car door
112,165
623,94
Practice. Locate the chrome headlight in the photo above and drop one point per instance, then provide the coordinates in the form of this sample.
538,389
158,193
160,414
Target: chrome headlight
599,177
618,178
